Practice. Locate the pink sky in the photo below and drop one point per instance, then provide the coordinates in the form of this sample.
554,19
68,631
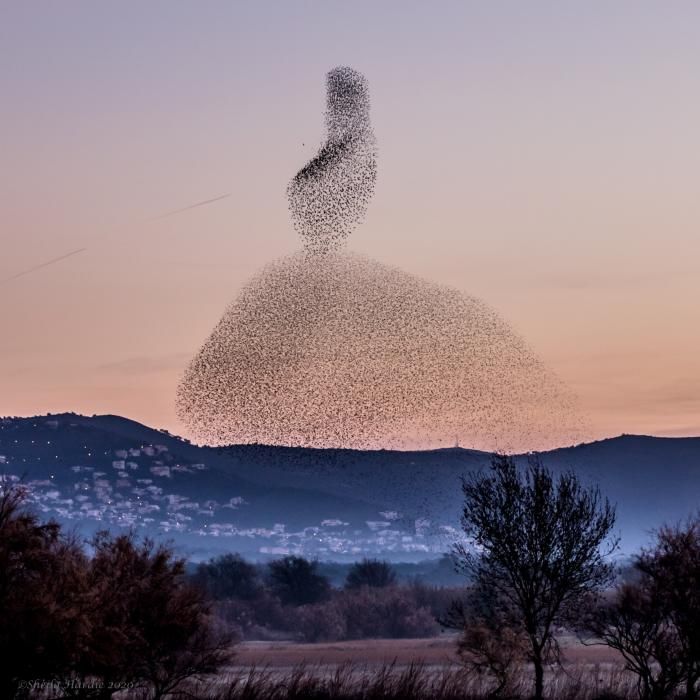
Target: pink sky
541,157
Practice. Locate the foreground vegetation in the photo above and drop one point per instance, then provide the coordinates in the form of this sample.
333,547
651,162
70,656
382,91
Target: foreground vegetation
90,626
413,682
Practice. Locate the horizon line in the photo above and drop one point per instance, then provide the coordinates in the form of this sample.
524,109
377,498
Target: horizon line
347,449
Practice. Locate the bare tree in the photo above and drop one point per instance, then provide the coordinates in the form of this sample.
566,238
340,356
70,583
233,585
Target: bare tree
635,625
672,569
534,543
654,621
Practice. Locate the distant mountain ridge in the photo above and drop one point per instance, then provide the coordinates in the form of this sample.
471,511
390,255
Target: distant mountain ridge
109,471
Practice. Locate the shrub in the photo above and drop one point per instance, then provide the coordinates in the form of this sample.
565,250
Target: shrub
323,622
389,612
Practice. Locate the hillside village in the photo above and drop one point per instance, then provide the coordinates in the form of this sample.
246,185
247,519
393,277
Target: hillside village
82,478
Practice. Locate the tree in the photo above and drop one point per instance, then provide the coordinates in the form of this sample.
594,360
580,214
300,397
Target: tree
672,569
635,625
43,589
654,621
535,548
148,624
96,625
295,581
370,572
229,576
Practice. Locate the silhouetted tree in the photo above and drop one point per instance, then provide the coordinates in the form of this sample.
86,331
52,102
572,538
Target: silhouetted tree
43,591
148,623
635,625
535,547
654,622
370,572
295,581
229,576
673,569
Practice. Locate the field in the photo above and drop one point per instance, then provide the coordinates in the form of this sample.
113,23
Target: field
434,652
409,669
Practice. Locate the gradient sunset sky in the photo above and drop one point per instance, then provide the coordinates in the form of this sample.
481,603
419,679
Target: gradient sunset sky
543,156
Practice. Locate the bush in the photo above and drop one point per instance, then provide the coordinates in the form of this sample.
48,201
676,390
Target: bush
323,622
366,613
389,612
435,598
494,653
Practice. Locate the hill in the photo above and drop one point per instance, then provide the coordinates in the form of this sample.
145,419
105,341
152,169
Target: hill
108,471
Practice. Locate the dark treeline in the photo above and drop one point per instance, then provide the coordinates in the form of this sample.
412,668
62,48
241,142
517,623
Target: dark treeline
290,599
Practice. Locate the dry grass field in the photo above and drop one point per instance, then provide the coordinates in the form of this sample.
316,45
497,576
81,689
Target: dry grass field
408,669
433,652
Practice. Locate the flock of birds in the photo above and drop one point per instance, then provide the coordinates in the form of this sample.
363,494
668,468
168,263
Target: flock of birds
326,348
328,197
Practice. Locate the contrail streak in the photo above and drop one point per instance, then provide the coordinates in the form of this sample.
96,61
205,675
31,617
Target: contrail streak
44,264
80,250
191,206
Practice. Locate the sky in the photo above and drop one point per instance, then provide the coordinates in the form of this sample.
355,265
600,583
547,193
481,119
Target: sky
543,156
